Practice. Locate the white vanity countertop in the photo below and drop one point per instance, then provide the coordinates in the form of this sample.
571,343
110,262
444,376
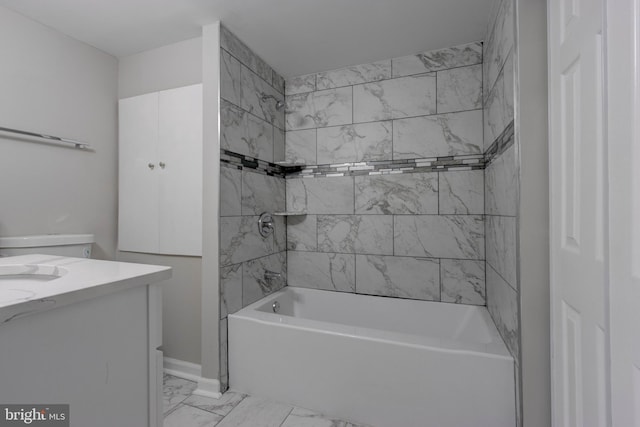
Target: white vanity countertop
80,279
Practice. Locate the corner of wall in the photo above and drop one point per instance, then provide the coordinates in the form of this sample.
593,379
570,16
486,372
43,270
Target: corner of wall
211,209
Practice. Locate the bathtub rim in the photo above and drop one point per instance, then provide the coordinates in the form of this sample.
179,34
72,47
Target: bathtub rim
495,349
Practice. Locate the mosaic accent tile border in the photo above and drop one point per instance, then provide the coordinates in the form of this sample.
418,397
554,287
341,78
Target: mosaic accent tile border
241,161
500,145
378,167
387,167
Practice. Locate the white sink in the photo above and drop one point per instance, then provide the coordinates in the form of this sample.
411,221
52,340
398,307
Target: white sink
30,272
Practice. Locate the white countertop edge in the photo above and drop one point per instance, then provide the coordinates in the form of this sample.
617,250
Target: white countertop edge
68,291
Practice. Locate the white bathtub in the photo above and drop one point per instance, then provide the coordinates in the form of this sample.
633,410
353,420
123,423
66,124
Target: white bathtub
375,360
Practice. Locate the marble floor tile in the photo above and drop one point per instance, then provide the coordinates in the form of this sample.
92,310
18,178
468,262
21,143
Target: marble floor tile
306,418
188,416
175,391
222,406
256,412
234,409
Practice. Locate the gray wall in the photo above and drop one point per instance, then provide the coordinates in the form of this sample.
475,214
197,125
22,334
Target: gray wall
396,209
53,84
167,67
531,124
251,129
175,65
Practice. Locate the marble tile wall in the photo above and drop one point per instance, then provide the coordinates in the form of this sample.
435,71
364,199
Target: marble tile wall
387,229
501,178
253,129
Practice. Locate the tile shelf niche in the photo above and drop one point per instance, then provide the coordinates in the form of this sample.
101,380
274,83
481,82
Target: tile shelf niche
293,213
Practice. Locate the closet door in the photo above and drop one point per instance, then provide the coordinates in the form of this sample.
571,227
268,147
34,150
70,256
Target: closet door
138,188
180,171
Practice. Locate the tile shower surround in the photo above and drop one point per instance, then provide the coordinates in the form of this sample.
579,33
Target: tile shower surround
252,138
501,176
391,145
501,182
394,195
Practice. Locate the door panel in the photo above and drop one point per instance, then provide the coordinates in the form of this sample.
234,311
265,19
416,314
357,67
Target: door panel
623,127
180,151
138,183
578,278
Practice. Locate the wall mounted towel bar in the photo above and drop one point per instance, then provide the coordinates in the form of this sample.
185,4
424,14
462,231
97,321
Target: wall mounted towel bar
76,144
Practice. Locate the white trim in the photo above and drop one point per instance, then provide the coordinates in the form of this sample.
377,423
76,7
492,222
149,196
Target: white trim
181,369
42,240
207,387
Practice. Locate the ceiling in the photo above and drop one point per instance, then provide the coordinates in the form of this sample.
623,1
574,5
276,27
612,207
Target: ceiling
294,36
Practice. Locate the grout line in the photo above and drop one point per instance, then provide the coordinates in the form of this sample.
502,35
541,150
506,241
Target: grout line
426,73
316,143
249,68
440,277
378,121
437,72
388,255
353,107
438,190
285,418
393,153
353,187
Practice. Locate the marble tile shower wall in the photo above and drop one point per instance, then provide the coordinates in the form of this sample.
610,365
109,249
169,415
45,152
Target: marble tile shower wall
501,177
402,233
253,127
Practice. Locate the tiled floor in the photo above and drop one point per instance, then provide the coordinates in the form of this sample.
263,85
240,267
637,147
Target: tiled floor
182,409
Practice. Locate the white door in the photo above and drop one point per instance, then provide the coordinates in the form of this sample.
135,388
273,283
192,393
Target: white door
138,173
180,170
623,50
578,232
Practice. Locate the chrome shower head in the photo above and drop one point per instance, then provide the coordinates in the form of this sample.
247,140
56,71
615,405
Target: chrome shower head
279,103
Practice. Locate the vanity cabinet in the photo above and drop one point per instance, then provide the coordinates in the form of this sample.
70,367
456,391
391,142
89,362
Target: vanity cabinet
85,333
160,172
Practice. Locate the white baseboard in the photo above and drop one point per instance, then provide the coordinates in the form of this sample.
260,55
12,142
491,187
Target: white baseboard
193,372
209,388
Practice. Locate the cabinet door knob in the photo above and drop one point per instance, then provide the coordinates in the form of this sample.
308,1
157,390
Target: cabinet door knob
151,166
162,165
